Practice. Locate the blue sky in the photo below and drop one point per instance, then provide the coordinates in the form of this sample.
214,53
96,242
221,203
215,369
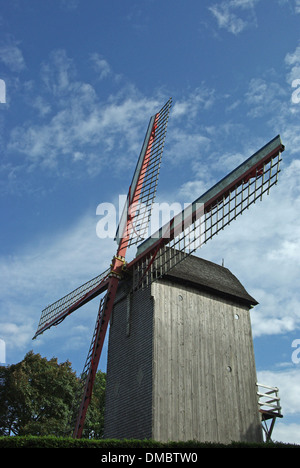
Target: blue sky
82,80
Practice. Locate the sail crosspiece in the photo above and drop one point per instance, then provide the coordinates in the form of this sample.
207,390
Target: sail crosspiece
208,214
58,311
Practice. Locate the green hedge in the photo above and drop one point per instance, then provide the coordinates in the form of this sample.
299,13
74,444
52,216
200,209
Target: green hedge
111,444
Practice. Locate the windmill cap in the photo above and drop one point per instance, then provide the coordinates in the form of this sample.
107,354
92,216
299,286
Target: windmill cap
211,277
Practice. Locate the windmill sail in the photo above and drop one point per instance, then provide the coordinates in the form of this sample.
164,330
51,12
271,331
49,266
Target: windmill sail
133,224
89,371
207,215
56,312
141,190
144,182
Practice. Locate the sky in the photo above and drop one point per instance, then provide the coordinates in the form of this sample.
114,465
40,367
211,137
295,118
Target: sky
79,81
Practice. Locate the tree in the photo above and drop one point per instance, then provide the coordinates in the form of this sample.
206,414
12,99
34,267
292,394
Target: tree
94,423
37,397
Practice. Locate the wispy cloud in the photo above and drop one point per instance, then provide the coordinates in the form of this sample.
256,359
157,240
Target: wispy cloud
261,248
101,66
11,55
297,6
78,130
265,240
78,126
288,382
69,5
292,61
43,273
234,15
58,74
265,97
78,122
201,98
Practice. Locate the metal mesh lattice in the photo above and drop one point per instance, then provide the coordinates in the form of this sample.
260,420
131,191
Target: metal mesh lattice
141,210
190,230
57,311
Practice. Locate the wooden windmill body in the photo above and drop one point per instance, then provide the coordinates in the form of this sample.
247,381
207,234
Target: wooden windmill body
181,362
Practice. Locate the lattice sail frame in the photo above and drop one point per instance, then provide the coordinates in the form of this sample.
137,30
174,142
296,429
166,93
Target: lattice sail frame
186,232
207,215
144,182
83,381
56,312
138,207
156,128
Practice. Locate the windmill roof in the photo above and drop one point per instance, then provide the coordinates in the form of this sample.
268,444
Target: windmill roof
212,277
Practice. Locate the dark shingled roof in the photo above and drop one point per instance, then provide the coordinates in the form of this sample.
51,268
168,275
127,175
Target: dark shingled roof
210,276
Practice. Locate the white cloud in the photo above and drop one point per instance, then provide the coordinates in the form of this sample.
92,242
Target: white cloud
288,382
188,140
286,433
189,191
227,20
184,145
101,66
297,6
43,273
42,106
228,161
79,123
228,14
292,61
58,74
265,97
261,249
11,55
202,98
69,5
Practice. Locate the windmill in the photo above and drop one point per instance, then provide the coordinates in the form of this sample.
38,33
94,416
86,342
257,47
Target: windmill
166,248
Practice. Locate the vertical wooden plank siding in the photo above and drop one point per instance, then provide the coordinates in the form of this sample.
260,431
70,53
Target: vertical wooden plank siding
204,372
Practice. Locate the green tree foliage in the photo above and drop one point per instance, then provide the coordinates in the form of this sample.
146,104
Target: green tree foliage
94,423
38,396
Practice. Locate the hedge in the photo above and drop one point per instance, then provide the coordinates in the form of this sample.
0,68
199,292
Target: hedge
109,444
